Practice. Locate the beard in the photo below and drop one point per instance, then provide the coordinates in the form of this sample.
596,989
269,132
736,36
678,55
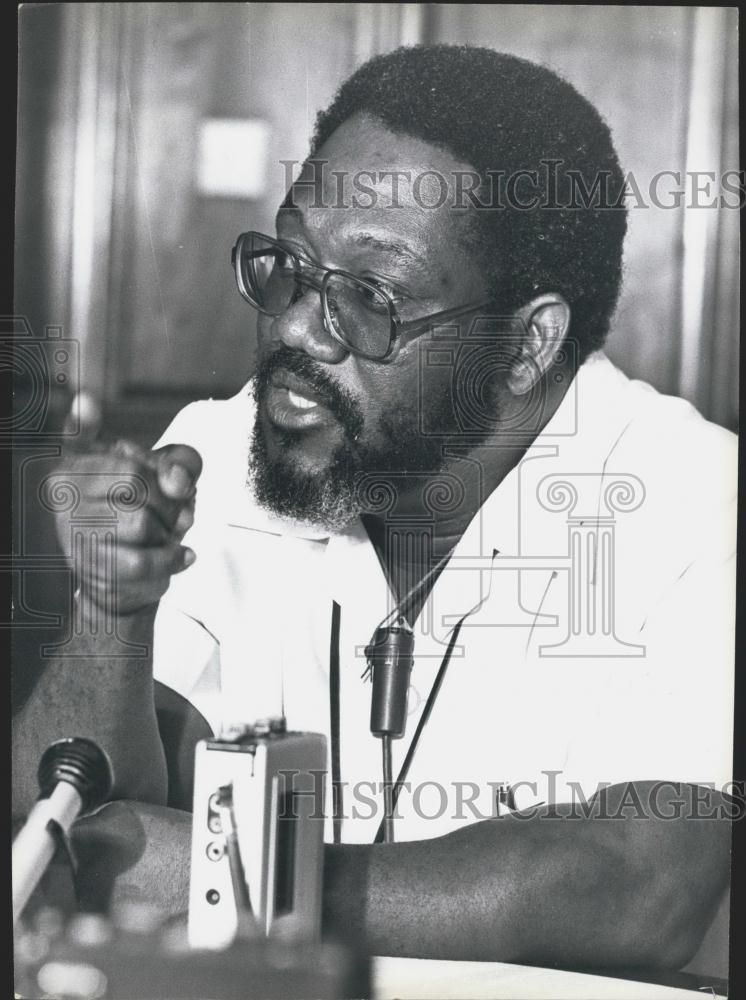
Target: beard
330,498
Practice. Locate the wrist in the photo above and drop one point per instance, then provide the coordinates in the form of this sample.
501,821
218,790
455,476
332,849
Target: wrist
100,618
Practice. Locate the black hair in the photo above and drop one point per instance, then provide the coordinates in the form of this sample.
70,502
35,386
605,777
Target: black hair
498,112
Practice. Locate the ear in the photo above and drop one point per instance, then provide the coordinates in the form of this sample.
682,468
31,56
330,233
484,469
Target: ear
547,320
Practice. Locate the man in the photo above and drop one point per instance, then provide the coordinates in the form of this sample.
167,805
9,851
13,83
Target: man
434,437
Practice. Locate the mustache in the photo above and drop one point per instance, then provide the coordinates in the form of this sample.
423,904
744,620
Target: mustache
336,399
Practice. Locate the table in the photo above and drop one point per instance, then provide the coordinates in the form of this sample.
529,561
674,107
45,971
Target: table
428,979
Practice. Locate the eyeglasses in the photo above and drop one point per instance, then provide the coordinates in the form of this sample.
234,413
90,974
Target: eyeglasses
357,313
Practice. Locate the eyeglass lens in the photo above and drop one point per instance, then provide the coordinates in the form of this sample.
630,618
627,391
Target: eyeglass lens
268,274
359,314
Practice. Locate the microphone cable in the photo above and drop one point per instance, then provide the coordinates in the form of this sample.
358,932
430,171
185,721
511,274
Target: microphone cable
390,655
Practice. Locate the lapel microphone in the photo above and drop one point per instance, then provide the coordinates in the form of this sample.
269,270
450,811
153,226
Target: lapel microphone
390,658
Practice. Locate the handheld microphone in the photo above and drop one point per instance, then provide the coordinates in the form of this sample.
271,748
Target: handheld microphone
75,776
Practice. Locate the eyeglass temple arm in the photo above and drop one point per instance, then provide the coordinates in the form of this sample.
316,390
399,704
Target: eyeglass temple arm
415,325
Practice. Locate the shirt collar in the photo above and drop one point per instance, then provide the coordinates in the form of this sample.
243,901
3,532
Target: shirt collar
588,422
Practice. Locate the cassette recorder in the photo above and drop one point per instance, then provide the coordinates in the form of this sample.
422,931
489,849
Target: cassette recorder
257,836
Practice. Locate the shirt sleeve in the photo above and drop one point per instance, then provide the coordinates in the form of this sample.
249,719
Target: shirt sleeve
186,658
186,655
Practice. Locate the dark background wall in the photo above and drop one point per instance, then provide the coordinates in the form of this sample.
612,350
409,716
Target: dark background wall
119,244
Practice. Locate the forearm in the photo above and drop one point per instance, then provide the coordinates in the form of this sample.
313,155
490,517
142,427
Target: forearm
134,852
575,892
462,896
90,692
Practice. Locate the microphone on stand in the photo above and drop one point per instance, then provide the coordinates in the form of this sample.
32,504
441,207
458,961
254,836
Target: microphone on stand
75,777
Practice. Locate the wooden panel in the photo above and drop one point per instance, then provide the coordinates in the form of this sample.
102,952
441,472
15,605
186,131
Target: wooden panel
717,392
182,325
164,322
40,152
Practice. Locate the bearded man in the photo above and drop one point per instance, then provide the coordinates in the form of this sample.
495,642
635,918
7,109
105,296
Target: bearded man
433,433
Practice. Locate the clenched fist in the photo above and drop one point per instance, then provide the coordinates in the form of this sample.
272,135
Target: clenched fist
147,498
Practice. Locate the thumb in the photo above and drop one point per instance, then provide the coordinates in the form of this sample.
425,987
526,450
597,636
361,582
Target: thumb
179,468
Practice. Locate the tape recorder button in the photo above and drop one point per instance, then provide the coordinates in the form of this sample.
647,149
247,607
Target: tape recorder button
215,850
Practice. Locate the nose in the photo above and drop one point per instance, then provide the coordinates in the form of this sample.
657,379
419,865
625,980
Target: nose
302,327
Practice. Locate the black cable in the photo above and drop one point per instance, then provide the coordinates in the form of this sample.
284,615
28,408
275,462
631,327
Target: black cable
337,804
388,797
429,704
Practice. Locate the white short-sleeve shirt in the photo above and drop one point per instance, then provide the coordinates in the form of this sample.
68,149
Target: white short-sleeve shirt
602,645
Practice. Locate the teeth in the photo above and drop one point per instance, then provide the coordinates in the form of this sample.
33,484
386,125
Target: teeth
300,401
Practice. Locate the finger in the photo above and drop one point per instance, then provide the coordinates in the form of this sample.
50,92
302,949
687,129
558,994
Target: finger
141,564
158,479
142,527
127,596
185,520
179,468
121,480
141,578
163,505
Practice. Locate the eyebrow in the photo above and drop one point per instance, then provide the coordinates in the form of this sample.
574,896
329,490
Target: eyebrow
401,251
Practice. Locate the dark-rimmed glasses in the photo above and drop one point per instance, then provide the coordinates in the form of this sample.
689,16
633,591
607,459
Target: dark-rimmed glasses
358,314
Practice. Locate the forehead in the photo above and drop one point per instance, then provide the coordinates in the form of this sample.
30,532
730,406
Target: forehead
376,186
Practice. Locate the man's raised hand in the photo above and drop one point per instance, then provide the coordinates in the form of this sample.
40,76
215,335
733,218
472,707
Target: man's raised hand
152,494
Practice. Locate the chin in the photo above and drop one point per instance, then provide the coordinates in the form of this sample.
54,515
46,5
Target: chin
311,485
311,452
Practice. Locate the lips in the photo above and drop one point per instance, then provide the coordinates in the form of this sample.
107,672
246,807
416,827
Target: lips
293,404
284,379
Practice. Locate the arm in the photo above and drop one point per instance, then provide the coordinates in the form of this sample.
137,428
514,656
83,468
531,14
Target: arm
107,698
93,687
579,891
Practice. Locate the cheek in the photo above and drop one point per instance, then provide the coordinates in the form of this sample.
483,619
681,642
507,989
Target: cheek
385,390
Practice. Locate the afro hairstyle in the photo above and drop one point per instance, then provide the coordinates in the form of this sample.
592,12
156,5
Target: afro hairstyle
501,114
